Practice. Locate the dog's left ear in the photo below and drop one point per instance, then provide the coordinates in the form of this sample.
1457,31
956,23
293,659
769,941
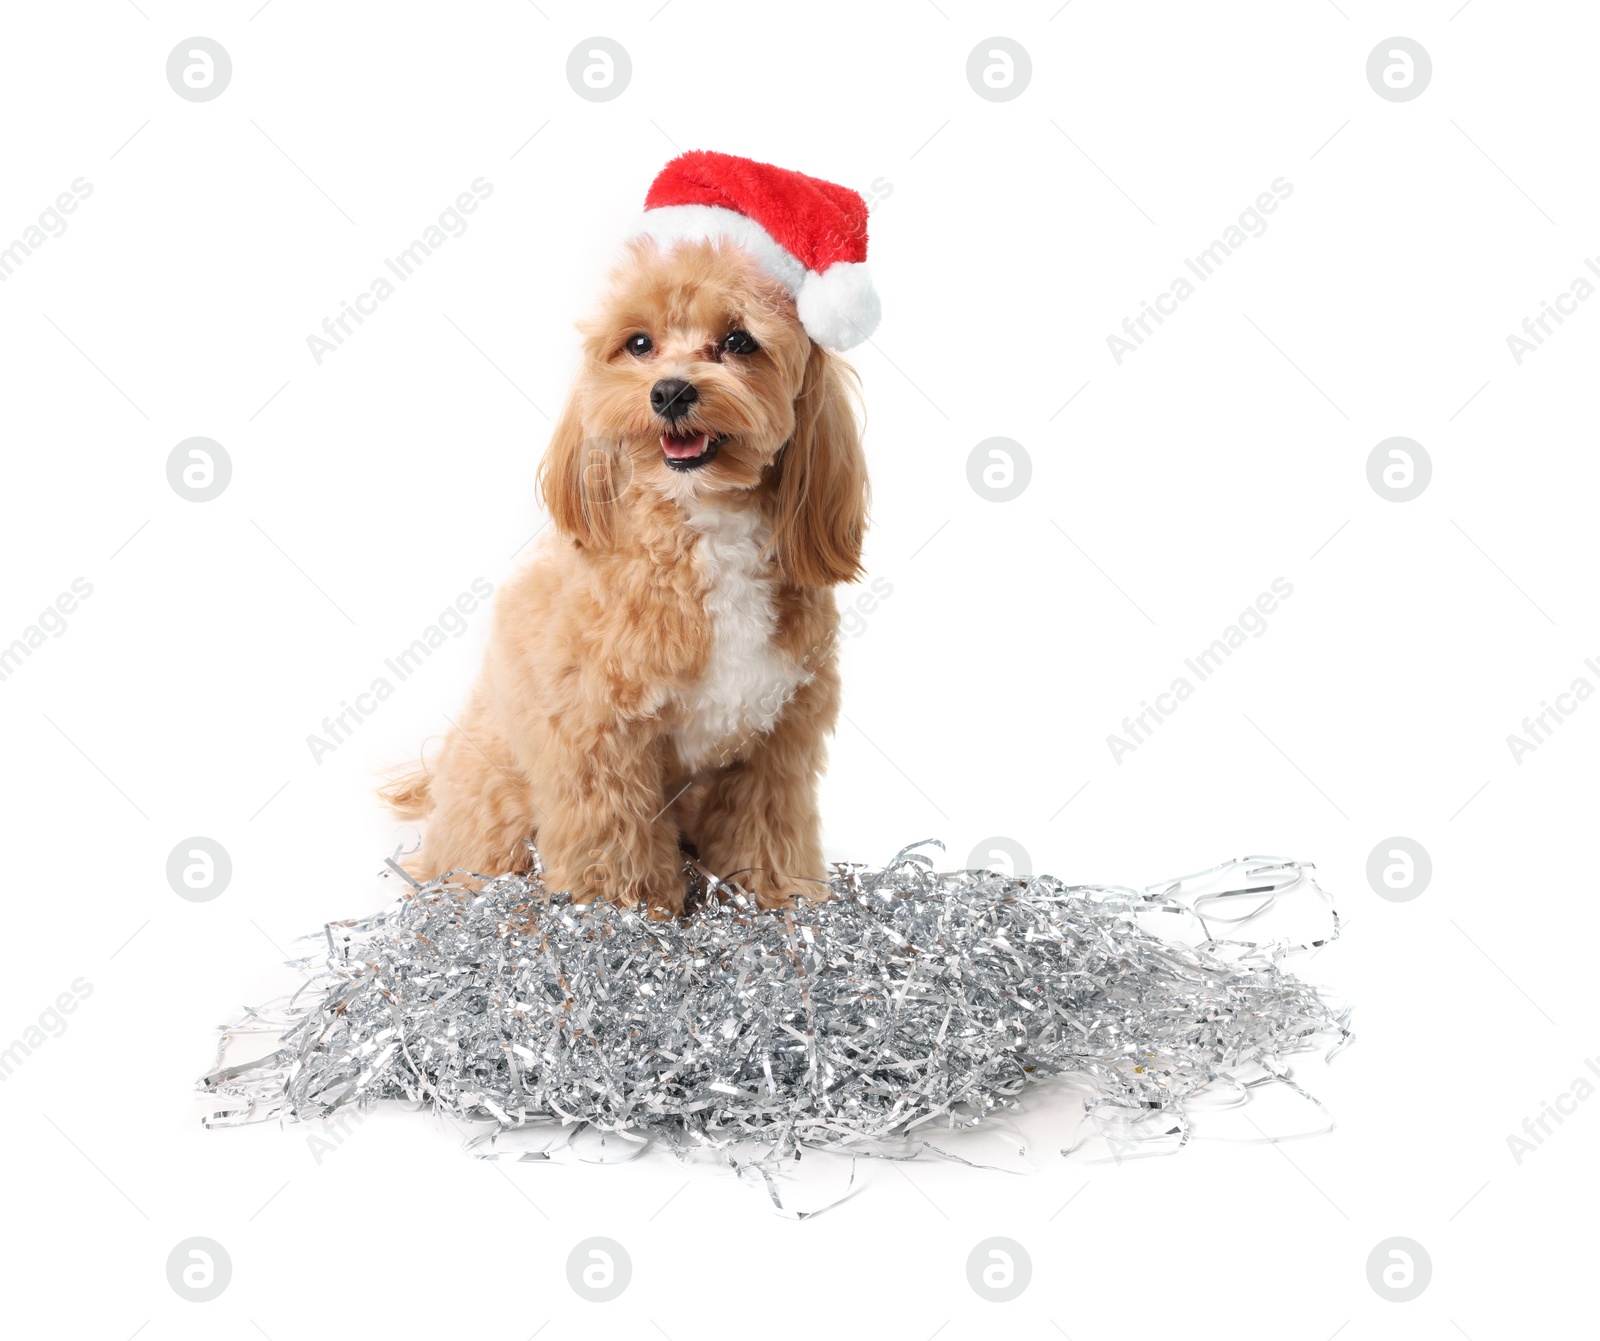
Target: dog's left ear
822,480
580,480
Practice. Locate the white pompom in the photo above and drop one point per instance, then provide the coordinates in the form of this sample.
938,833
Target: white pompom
839,307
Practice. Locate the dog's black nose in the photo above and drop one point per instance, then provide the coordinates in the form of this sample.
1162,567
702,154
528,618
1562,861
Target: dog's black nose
672,398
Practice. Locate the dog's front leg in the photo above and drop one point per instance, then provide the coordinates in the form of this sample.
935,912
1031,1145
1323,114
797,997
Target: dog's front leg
605,826
759,824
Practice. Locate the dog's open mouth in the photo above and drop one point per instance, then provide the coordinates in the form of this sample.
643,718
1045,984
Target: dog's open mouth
689,451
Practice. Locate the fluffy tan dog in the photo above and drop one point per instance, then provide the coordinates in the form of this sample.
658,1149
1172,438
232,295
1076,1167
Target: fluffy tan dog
666,664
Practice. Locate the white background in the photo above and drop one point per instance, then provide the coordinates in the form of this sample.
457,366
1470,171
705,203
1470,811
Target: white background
1230,450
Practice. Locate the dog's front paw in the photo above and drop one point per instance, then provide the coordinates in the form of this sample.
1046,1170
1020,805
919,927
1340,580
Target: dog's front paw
783,891
660,897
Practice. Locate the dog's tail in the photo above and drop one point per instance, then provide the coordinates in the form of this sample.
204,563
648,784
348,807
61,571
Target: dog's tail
406,793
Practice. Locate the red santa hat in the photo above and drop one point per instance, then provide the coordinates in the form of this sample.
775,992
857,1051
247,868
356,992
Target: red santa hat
808,234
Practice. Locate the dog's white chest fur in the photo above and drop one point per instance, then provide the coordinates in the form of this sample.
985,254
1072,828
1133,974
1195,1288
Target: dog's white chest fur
747,678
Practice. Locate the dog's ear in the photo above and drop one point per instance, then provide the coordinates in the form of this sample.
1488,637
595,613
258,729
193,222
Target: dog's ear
580,480
822,480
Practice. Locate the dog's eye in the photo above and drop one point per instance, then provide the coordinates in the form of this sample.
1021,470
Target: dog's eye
638,345
739,342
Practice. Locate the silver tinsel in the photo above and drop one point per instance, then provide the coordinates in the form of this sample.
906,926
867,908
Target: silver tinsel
911,1002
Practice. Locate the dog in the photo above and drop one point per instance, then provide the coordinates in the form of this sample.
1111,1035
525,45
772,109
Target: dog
663,674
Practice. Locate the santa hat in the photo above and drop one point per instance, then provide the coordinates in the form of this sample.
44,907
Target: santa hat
808,234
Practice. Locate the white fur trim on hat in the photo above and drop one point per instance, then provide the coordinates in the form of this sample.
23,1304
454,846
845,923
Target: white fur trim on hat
699,223
838,307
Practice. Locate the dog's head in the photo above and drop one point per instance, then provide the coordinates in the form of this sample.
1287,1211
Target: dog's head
698,385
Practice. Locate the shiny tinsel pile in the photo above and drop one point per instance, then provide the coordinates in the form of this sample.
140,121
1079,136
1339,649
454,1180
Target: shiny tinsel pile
910,1001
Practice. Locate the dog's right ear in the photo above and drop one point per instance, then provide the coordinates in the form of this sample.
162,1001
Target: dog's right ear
580,481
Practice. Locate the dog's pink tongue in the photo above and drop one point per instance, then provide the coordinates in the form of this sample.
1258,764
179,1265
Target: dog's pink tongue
679,448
